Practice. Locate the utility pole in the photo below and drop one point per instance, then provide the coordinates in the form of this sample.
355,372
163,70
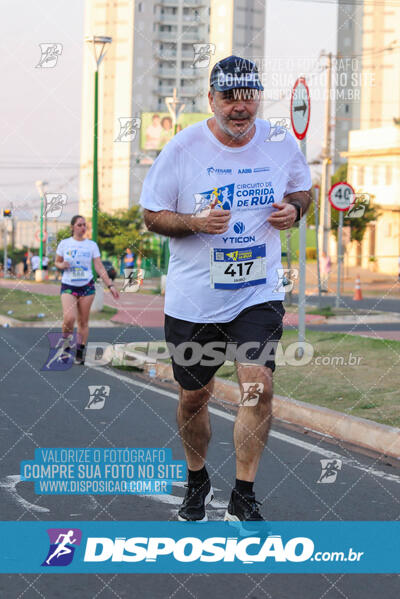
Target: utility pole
5,256
175,107
12,227
325,221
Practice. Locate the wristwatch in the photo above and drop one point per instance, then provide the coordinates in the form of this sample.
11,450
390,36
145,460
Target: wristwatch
112,285
297,205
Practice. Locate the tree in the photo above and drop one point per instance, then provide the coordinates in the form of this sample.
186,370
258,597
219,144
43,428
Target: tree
122,230
358,226
63,234
340,174
118,231
108,226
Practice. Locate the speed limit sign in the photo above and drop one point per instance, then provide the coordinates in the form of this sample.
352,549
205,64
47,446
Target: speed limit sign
342,196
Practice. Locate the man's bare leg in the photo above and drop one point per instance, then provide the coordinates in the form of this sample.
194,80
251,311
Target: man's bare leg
252,422
195,432
194,424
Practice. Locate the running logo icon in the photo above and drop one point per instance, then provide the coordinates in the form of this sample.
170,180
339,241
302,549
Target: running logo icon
251,394
128,128
286,279
278,128
330,469
63,542
49,57
358,208
98,395
133,279
223,195
202,55
61,352
55,203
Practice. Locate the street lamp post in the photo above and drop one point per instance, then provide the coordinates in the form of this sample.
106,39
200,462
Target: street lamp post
40,185
99,43
175,107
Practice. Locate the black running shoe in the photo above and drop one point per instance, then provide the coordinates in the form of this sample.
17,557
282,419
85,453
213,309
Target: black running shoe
243,508
197,497
79,357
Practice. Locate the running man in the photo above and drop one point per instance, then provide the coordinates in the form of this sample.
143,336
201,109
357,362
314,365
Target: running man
64,347
62,548
74,257
223,270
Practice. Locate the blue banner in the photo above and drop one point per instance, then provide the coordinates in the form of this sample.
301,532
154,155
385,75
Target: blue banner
210,547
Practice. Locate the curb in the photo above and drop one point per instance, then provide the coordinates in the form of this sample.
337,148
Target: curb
370,435
388,317
50,324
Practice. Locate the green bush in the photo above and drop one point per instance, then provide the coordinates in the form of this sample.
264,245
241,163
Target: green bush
311,253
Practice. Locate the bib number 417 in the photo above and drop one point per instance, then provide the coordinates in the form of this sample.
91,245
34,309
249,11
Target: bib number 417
241,269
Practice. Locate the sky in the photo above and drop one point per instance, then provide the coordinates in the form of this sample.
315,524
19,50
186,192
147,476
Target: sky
40,109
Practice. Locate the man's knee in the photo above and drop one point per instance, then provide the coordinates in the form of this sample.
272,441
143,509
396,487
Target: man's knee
256,386
193,401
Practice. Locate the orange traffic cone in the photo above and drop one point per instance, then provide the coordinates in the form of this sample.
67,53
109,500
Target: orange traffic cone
357,290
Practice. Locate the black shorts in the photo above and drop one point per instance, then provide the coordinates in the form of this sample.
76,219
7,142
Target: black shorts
208,345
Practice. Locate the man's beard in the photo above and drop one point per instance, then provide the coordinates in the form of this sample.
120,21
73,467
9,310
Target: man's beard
226,130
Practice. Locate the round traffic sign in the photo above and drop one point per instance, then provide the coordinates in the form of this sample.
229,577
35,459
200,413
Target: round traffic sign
37,235
300,108
342,196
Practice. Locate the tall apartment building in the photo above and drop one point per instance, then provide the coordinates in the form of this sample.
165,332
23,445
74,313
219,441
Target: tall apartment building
380,102
374,150
347,69
152,53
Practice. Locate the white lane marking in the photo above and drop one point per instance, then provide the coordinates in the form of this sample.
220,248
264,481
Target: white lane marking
280,436
9,483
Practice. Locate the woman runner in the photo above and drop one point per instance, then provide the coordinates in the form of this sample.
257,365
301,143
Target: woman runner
74,257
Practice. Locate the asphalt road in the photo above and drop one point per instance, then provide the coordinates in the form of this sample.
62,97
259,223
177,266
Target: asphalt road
47,409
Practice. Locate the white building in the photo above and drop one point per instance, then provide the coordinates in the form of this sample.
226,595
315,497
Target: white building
374,168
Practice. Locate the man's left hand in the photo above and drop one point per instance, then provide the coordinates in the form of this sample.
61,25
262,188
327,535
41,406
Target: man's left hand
283,217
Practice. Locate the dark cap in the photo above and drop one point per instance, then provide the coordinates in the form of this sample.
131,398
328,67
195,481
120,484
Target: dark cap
234,72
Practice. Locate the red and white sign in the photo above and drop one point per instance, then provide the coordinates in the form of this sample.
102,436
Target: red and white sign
37,235
342,196
300,108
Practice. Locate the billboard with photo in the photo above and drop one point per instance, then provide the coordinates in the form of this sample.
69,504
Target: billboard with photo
157,129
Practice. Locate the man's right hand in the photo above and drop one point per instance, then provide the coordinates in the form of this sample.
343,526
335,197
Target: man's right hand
213,221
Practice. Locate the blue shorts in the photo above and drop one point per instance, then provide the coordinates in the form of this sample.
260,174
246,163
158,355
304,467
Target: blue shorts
82,291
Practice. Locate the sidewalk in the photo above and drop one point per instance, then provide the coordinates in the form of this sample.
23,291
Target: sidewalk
134,309
372,283
147,309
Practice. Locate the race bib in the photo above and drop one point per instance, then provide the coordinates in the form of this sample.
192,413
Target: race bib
235,268
78,273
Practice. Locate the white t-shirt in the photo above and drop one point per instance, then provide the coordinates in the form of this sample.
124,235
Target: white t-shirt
35,262
212,278
79,254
